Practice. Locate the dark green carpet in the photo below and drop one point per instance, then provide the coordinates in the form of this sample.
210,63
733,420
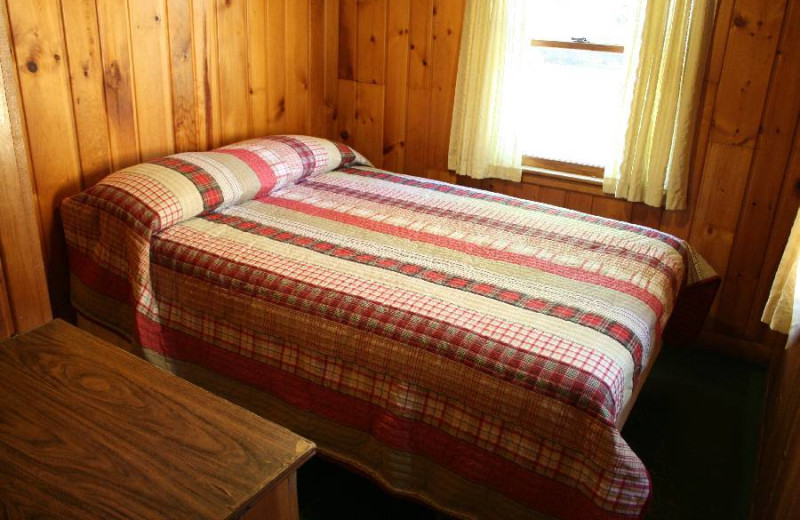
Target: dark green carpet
695,426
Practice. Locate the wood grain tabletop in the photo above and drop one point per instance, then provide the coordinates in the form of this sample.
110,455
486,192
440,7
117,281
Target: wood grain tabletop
90,431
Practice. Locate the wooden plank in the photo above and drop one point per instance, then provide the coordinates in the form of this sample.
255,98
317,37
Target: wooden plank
371,41
118,73
568,185
276,66
579,202
609,207
40,50
207,89
396,92
774,146
317,114
644,215
6,316
182,61
447,24
745,76
88,96
257,67
297,63
369,122
348,36
153,89
552,196
419,84
331,94
719,40
788,203
346,112
719,202
232,39
24,300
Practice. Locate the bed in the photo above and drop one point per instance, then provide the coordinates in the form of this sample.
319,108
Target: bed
474,351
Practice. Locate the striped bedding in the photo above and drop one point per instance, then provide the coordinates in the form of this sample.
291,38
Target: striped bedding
466,348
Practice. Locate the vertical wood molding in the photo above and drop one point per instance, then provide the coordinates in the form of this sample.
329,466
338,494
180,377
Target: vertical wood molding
25,300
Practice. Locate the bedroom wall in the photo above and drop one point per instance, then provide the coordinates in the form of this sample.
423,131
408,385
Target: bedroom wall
396,75
109,83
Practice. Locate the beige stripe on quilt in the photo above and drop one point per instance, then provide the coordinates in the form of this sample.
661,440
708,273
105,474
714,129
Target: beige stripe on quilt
184,191
234,177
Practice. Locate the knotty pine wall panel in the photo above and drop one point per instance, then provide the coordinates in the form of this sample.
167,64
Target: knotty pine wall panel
109,83
745,181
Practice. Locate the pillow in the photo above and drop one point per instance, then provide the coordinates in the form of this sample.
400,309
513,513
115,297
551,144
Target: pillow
155,195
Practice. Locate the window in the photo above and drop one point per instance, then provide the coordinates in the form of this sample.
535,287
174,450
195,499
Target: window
575,73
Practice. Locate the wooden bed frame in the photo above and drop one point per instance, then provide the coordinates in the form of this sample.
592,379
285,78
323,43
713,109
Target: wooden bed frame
117,339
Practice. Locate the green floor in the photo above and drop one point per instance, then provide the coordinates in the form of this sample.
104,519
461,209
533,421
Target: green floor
695,427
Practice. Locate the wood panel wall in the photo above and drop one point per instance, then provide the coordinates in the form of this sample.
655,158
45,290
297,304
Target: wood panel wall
396,77
109,83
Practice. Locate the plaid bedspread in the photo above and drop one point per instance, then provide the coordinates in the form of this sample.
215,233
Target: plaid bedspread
494,338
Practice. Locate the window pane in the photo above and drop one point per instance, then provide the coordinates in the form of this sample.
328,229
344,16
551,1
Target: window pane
607,21
573,98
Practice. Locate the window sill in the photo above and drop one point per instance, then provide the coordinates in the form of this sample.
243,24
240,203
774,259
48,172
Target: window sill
572,177
561,180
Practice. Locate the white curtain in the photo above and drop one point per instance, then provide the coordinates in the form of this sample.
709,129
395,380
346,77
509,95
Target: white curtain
782,312
484,139
663,86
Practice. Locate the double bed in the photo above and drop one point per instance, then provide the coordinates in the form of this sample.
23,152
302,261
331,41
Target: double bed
474,351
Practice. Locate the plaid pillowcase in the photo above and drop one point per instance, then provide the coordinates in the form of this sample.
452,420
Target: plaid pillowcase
152,196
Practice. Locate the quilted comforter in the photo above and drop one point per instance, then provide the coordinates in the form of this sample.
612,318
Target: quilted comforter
469,349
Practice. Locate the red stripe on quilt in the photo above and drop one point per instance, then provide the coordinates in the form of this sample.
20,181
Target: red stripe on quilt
306,154
572,273
205,183
348,155
262,169
467,460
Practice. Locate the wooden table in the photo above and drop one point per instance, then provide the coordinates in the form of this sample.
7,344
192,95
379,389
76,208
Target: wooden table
90,431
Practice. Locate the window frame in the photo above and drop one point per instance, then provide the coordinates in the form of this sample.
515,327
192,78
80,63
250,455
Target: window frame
565,169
